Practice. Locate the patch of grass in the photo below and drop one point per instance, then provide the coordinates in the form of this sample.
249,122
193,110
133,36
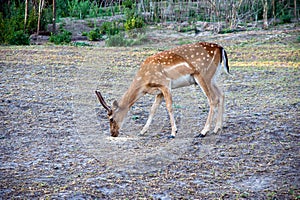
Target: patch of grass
80,44
120,40
184,41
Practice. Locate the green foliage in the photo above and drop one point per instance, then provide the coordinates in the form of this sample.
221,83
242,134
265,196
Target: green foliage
285,18
133,22
116,41
63,37
110,28
12,26
94,10
128,4
78,9
18,38
62,8
120,40
94,35
13,29
80,44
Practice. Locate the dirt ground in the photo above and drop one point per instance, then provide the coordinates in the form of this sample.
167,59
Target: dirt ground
55,141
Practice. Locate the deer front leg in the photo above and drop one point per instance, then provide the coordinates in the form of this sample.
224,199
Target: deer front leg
168,98
157,102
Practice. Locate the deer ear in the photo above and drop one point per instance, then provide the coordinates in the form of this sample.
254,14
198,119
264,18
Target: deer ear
115,105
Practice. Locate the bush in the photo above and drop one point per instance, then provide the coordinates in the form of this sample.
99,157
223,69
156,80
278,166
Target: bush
110,28
61,38
80,44
120,40
285,18
94,35
133,23
117,41
19,38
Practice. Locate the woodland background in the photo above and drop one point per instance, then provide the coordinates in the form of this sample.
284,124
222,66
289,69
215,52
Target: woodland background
21,18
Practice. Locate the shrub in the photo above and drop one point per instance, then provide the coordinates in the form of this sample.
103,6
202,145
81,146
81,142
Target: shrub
61,38
285,18
116,41
80,44
94,35
110,28
19,38
120,40
133,23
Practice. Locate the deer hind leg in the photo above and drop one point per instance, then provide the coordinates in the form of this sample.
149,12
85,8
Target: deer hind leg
221,98
168,98
157,102
213,100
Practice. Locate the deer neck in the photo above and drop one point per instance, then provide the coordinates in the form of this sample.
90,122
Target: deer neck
133,93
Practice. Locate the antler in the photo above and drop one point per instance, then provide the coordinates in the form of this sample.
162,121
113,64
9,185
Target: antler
101,99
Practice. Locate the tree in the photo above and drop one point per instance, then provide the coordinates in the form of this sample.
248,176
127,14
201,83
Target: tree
295,10
41,5
54,17
26,14
265,14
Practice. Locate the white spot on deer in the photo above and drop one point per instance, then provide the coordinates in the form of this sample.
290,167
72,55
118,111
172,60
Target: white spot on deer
158,73
147,73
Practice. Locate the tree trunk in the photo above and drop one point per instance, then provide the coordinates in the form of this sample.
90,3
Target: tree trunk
274,10
54,17
41,4
295,10
265,14
26,14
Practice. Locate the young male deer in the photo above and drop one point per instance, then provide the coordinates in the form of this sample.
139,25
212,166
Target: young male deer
182,66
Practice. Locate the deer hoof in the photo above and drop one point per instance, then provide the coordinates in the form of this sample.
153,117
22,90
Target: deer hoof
200,136
217,130
171,137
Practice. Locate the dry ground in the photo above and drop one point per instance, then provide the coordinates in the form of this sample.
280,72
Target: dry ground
55,140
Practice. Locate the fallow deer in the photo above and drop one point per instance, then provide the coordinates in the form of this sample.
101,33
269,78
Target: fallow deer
182,66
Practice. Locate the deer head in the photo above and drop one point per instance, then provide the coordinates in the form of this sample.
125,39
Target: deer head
114,121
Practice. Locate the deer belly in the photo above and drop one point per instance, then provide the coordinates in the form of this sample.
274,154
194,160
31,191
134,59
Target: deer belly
183,81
